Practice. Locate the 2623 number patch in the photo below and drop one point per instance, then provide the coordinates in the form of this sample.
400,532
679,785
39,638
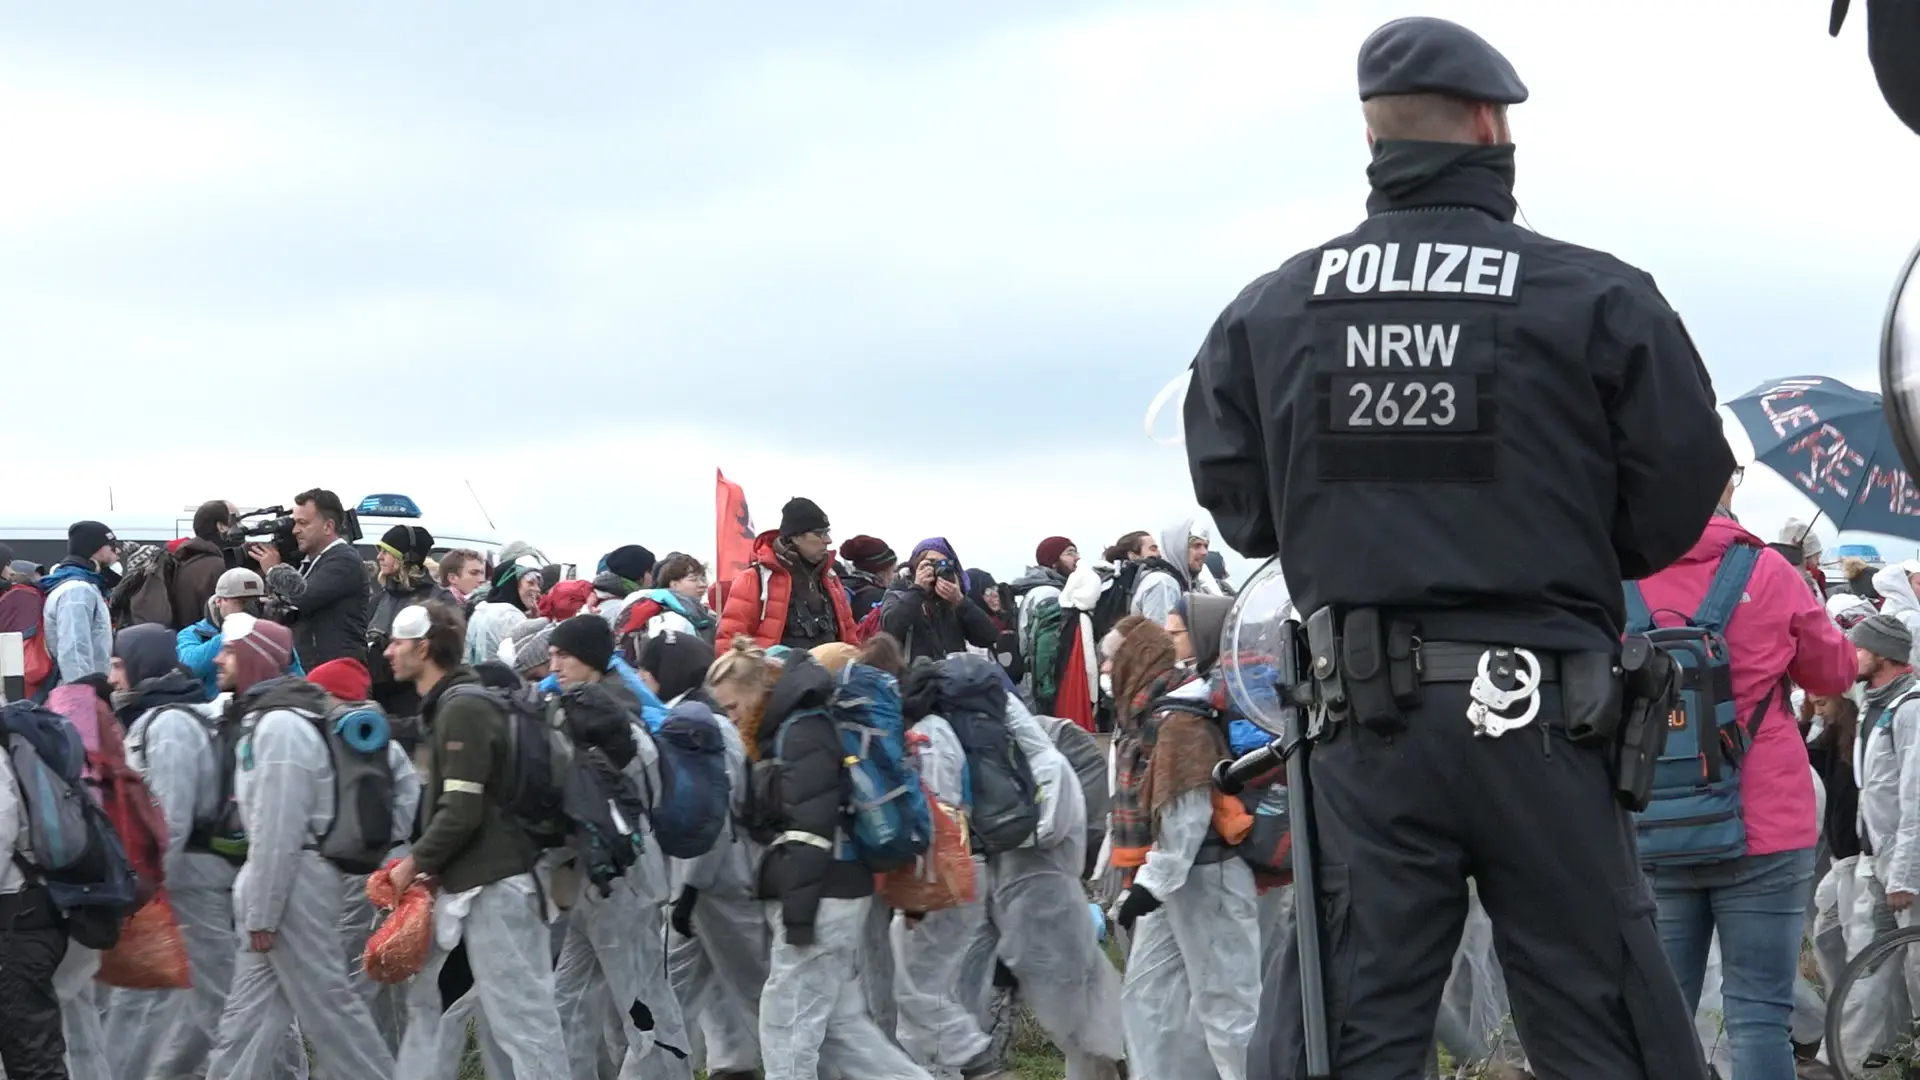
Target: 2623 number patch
1406,402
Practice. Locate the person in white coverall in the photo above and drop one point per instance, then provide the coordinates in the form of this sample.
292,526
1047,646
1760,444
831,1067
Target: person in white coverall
291,964
1192,991
490,932
934,1026
1036,909
717,954
1887,874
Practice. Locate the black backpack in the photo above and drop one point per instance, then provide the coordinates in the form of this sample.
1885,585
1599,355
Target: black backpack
541,756
145,595
1116,599
603,810
224,834
1003,799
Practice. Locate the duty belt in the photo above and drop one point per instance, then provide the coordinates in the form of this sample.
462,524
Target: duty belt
1459,661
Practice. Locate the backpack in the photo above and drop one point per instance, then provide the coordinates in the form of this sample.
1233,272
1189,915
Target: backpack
892,823
225,834
542,755
695,790
868,625
72,848
23,611
1082,751
1266,844
361,834
1003,799
1693,817
1116,600
121,792
145,595
601,810
1040,644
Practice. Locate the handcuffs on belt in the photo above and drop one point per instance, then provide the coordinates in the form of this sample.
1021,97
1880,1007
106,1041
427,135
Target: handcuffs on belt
1490,705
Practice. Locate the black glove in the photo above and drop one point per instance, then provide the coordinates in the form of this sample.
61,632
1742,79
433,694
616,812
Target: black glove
800,935
1135,903
682,919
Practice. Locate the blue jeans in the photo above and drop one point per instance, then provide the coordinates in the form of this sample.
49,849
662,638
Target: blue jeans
1758,903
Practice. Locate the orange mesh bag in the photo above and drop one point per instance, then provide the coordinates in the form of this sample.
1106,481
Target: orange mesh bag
398,949
151,954
943,877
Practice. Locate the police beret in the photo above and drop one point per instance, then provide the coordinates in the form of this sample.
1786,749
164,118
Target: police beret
1434,56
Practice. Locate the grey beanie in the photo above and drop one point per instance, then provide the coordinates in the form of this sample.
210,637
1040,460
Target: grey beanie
1884,636
529,644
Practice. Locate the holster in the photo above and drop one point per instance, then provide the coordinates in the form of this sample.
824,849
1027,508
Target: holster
1376,659
1593,692
1651,683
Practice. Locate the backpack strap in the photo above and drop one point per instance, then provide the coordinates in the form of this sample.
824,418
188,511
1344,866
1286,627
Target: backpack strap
1728,586
766,576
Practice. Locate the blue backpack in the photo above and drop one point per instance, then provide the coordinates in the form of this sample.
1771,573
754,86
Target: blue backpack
892,823
72,848
1693,817
693,805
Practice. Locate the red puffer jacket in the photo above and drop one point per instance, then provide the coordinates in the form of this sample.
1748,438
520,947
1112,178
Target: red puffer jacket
757,600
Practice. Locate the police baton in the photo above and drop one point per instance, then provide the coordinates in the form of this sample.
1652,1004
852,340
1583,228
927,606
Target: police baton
1233,776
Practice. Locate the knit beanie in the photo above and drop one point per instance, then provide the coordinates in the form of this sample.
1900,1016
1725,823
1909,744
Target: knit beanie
506,586
346,679
86,537
526,647
868,553
1050,550
261,649
586,638
411,544
677,661
1884,636
632,562
802,516
145,651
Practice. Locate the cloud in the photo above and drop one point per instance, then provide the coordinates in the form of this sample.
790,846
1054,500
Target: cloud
927,265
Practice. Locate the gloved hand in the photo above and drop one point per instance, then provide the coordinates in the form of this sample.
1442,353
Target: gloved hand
1134,903
682,919
799,935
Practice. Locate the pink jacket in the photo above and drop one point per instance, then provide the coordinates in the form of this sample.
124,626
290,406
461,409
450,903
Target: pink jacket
1778,629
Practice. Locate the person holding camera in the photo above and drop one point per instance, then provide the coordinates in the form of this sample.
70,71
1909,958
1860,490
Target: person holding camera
328,592
930,613
199,561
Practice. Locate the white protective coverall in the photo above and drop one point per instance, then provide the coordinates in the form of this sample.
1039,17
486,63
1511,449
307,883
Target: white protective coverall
1037,923
1192,990
80,1020
1855,890
813,1014
167,1033
613,968
284,782
934,1025
718,973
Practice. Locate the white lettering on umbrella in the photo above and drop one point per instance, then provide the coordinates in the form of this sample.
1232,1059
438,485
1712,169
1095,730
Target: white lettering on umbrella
1783,409
1902,497
1830,461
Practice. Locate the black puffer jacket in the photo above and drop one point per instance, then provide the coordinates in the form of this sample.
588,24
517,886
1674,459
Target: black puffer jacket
929,626
814,790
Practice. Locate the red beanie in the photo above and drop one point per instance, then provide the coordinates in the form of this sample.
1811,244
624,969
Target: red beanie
1050,550
345,678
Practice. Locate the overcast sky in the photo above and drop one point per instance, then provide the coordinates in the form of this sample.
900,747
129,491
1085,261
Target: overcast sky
926,263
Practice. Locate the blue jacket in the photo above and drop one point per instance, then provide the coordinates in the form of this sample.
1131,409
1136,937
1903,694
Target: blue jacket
652,711
197,645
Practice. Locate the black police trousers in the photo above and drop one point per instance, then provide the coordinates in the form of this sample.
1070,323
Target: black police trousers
32,944
1401,823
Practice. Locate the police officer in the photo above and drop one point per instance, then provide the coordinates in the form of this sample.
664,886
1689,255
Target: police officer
1459,436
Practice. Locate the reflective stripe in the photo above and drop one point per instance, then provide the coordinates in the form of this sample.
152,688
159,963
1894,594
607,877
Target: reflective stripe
810,839
465,787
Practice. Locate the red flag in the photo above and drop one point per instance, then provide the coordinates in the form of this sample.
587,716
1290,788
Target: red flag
732,535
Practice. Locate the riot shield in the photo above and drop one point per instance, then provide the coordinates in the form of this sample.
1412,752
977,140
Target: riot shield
1900,363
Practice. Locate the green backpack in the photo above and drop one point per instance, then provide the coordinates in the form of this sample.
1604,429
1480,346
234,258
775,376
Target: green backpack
1041,645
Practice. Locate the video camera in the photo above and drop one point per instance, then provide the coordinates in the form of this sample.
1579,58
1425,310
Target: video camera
267,523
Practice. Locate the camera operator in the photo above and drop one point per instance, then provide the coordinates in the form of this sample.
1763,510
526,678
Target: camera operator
931,614
328,593
201,560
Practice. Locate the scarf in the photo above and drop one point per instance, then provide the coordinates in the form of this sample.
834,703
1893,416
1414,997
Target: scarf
1411,173
1159,755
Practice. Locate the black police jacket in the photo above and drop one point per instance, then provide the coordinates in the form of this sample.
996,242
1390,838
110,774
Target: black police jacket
1444,414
